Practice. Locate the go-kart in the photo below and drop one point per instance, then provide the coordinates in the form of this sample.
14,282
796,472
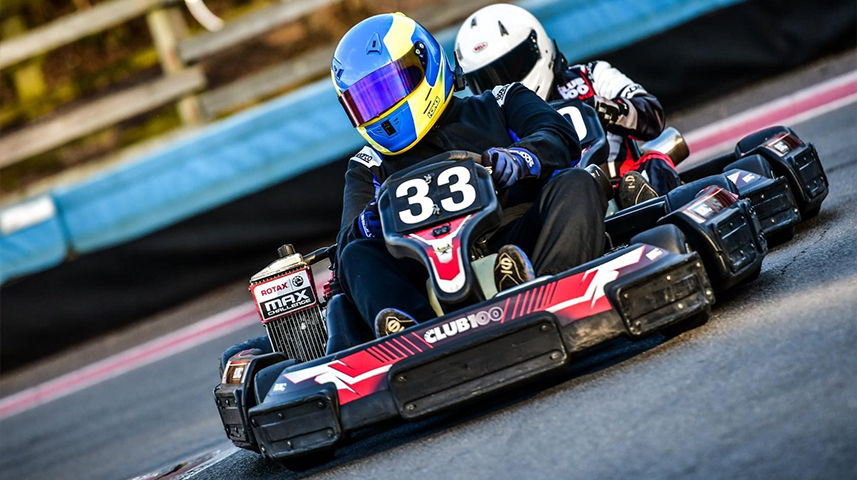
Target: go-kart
293,403
773,168
780,174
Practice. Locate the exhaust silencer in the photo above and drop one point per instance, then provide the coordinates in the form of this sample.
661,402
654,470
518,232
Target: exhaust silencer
670,143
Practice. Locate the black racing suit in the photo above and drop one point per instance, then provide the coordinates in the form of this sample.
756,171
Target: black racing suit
643,119
556,220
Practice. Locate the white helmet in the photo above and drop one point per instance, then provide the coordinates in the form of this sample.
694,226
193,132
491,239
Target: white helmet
501,44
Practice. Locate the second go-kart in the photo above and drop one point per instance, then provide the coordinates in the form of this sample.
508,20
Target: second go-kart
780,175
316,385
778,172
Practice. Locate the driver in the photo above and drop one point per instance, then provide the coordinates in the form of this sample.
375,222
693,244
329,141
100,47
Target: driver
502,43
395,84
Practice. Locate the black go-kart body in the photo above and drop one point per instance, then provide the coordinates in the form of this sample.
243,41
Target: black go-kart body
780,174
773,168
291,404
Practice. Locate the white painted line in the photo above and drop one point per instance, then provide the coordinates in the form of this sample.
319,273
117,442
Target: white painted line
797,107
179,341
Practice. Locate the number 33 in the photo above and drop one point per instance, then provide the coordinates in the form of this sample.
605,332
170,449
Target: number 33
426,205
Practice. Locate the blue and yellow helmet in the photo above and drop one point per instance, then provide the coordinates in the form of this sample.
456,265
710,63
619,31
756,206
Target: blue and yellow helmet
393,80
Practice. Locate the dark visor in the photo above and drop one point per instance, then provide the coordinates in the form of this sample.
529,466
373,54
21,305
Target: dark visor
511,67
375,93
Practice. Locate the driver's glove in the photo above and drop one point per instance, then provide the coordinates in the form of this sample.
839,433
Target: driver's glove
610,111
369,222
510,165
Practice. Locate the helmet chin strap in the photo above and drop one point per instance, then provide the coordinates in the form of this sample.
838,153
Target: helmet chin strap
458,81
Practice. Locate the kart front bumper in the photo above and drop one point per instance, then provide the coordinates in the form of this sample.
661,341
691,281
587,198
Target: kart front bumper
313,419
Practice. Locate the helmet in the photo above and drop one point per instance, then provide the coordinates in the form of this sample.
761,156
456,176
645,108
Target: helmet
501,44
393,79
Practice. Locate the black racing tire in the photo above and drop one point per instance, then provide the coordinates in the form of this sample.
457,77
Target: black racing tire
811,213
266,377
677,329
308,461
782,236
753,276
668,237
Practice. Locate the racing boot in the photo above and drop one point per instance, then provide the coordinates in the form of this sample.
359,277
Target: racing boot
512,268
391,320
634,189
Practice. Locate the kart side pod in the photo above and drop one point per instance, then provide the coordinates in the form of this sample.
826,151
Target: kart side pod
724,230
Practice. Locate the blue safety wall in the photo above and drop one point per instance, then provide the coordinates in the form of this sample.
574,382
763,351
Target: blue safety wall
277,141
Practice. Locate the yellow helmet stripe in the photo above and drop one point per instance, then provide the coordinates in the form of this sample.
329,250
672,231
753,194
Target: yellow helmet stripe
398,39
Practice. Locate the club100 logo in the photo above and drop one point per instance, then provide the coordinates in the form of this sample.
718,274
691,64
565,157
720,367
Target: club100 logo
463,324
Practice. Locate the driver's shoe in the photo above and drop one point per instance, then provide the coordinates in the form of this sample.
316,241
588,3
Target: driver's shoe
512,268
391,320
634,189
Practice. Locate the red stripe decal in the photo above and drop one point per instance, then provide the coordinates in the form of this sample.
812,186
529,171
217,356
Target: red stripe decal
402,346
375,355
387,351
422,340
514,307
549,296
378,353
532,301
505,311
412,344
539,302
523,311
394,348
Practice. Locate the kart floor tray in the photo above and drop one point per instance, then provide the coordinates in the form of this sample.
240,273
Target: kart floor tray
512,353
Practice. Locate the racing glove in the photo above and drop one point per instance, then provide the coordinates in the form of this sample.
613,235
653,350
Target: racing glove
510,165
610,111
369,221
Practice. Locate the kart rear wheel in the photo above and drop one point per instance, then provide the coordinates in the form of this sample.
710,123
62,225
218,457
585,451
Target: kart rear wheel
308,461
754,275
781,237
811,213
677,329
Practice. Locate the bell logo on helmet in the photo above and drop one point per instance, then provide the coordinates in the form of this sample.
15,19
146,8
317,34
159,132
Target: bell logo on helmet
520,50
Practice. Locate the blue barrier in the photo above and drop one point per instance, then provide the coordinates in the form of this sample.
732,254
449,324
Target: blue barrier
34,247
277,141
238,156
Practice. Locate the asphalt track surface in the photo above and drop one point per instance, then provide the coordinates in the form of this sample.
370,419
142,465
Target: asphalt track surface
766,389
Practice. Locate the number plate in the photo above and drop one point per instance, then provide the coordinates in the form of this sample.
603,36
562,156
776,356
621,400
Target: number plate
581,118
435,196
